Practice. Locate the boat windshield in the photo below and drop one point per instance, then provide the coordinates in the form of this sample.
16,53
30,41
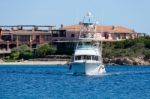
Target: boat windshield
87,24
86,45
86,57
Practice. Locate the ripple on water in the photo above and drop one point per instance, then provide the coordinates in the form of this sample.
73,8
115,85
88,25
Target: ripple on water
53,82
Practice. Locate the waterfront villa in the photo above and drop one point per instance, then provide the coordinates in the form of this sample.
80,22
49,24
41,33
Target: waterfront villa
104,33
33,35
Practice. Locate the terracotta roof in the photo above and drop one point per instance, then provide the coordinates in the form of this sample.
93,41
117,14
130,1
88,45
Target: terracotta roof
75,27
99,28
104,28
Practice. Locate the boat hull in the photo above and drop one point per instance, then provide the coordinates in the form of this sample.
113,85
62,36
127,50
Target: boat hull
87,68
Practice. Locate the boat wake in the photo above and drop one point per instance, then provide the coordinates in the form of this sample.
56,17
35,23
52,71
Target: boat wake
127,73
99,71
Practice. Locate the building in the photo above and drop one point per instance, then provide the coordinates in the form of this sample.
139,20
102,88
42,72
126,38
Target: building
104,33
32,35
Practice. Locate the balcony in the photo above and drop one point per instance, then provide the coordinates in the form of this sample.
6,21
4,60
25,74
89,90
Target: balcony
4,51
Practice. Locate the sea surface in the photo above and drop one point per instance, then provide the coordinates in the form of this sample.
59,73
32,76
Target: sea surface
55,82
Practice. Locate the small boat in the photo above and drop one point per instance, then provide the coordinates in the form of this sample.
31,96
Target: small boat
87,58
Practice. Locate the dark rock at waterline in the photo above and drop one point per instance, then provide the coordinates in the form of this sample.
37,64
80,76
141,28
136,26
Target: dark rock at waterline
126,60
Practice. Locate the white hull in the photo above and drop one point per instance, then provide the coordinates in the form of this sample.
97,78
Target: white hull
87,68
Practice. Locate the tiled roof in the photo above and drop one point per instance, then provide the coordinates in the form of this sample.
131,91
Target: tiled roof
75,27
100,28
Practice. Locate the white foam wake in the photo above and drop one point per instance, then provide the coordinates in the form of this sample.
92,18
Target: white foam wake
97,71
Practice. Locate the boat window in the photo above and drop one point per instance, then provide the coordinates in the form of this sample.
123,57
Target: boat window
83,57
86,57
77,57
95,58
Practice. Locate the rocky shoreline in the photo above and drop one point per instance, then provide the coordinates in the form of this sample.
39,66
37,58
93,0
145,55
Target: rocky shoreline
126,61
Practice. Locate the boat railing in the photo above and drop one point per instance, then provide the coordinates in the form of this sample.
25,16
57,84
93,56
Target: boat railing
86,47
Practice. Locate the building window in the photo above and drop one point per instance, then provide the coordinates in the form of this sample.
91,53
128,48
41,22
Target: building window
72,35
62,33
117,36
124,36
24,38
6,37
55,33
106,35
47,37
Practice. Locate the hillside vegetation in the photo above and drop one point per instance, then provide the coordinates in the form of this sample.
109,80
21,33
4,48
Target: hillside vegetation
130,48
132,51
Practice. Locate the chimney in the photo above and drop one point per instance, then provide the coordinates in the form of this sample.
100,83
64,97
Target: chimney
49,28
61,26
0,33
12,28
19,27
113,27
35,28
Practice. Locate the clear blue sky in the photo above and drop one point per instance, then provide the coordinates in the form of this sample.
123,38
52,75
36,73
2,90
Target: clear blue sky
134,14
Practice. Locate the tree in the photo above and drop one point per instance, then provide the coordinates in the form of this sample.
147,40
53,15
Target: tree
14,54
129,43
22,52
25,52
45,49
119,45
147,54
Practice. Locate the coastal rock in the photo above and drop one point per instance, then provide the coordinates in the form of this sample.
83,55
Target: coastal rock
139,61
127,61
1,61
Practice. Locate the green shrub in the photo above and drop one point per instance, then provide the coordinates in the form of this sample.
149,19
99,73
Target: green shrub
22,52
45,49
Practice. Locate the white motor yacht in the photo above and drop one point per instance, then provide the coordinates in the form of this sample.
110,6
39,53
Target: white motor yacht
87,58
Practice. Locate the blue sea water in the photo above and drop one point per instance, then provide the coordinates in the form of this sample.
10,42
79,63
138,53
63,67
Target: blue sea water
54,82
